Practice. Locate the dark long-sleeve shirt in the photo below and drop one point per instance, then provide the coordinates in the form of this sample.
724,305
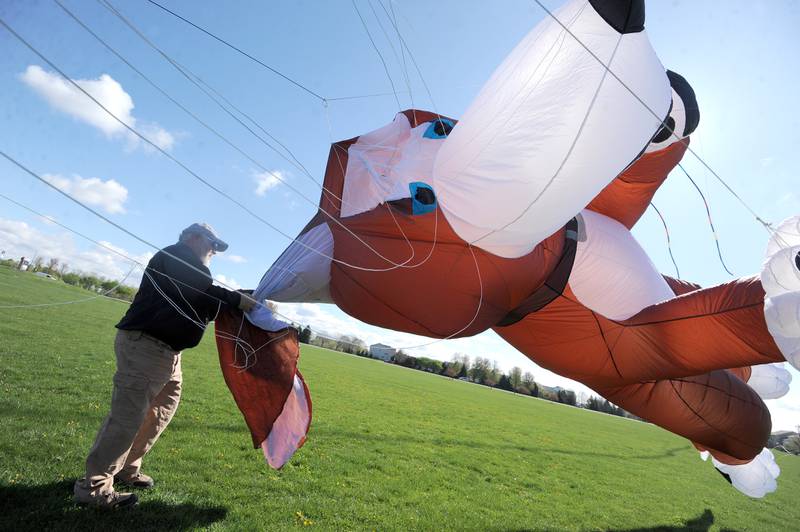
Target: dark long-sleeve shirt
191,291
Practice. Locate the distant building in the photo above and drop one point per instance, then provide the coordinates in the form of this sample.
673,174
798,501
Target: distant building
382,352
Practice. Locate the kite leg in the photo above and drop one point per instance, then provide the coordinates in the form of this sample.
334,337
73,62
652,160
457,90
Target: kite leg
627,197
709,329
705,330
717,411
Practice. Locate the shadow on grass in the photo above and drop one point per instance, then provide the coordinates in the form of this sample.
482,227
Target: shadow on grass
699,524
50,507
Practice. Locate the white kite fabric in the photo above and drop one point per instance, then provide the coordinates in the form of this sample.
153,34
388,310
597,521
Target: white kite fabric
301,273
381,165
539,142
755,478
289,430
780,278
608,256
770,381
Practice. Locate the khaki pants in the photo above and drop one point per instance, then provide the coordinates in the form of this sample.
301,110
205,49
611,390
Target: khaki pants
147,389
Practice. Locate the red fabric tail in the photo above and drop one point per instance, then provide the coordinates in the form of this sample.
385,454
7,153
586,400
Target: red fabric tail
259,381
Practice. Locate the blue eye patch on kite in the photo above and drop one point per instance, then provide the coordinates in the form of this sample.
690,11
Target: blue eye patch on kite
439,128
423,199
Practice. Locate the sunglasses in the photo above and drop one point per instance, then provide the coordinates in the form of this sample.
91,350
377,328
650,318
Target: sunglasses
214,244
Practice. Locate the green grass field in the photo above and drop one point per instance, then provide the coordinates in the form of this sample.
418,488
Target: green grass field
389,448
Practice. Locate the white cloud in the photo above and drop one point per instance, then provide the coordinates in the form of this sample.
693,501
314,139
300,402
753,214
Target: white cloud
19,239
227,282
109,195
238,259
64,97
155,134
267,180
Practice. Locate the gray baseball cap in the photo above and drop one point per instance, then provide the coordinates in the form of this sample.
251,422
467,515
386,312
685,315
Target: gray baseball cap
202,228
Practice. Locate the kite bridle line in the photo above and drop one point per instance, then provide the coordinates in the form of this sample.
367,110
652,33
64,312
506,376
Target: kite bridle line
716,175
380,56
240,342
550,14
194,79
669,242
185,72
765,224
206,182
136,263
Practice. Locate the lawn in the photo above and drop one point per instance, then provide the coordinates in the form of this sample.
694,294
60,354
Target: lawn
389,448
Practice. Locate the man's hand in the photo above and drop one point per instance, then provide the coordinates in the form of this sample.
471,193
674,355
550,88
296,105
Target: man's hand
246,303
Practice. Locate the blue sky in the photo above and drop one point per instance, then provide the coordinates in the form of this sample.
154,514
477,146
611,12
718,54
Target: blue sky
740,57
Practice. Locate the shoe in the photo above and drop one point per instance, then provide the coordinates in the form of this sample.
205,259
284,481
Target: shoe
139,480
110,501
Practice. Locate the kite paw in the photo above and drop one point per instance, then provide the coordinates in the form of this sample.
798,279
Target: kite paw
770,381
780,278
755,478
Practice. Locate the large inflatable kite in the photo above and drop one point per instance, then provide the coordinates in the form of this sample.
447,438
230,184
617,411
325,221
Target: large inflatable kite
517,218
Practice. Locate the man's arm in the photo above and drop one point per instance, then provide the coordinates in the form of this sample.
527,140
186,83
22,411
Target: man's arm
190,278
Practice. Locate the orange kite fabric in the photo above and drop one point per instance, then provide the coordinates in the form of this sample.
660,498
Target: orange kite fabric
666,364
259,368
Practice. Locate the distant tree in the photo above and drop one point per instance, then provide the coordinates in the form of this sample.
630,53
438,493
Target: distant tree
350,344
52,266
493,377
36,264
71,278
535,390
125,292
505,383
594,404
430,365
90,282
515,376
792,444
527,380
480,369
402,359
567,397
550,396
326,343
450,369
465,361
305,335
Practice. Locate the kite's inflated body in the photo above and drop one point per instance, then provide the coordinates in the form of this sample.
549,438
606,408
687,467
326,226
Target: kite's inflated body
518,218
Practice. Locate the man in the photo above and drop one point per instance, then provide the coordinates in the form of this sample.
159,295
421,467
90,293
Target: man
175,302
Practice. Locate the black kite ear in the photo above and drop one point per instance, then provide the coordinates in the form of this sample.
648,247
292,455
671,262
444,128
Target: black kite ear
625,16
686,93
